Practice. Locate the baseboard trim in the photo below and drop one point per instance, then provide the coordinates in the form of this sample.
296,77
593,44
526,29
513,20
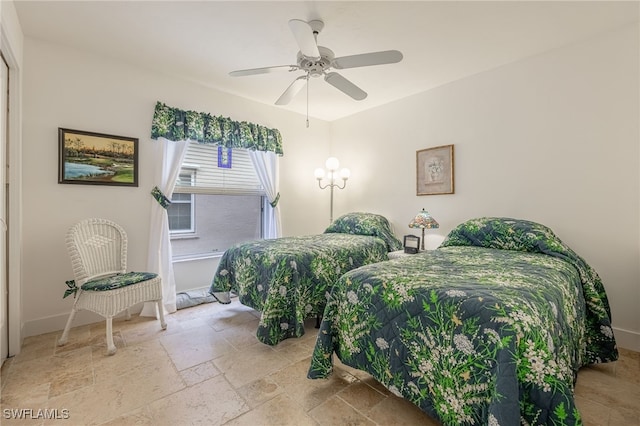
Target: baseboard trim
627,339
57,322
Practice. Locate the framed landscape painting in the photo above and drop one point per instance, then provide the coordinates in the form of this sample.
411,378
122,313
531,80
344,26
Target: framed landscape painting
434,170
89,158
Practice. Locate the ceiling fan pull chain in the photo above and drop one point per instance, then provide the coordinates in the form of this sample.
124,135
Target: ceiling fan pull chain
316,61
307,101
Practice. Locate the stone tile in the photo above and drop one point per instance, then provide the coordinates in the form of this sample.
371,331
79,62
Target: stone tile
622,416
212,402
209,368
202,311
97,343
19,394
593,413
370,381
628,366
361,396
231,315
362,375
596,385
335,411
199,373
129,359
306,392
23,415
397,411
71,370
141,329
251,363
139,417
109,398
294,350
260,391
195,346
4,373
241,335
38,346
72,381
279,411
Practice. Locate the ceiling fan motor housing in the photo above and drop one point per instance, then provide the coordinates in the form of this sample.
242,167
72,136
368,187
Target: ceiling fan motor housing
317,60
316,67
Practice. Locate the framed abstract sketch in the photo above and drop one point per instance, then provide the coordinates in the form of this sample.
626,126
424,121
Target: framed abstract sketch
89,158
434,170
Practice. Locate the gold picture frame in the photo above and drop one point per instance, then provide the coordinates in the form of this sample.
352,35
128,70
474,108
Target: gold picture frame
434,170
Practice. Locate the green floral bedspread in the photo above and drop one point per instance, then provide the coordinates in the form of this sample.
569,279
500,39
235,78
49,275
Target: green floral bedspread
491,328
288,279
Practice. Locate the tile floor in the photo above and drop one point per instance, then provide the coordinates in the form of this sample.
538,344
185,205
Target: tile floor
208,368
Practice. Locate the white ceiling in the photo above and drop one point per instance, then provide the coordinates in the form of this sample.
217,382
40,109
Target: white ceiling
203,41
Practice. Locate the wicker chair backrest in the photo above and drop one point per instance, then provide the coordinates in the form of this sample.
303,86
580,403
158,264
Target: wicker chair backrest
97,247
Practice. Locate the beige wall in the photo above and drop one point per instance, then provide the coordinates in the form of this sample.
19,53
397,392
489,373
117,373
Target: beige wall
553,138
78,90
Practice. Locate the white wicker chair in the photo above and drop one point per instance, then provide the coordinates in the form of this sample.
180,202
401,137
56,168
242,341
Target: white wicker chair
98,251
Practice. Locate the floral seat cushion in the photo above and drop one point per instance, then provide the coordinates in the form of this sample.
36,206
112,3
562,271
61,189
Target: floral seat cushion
117,281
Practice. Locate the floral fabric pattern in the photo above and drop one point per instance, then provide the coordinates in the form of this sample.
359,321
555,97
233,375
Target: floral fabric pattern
117,281
288,279
366,224
160,197
177,125
512,234
473,333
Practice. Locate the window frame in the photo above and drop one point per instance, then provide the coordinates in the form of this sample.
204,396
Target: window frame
190,173
196,167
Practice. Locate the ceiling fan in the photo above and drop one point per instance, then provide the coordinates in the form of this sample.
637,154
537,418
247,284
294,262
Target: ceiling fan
317,61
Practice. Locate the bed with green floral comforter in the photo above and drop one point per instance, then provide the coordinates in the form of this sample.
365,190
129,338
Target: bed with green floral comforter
288,279
491,328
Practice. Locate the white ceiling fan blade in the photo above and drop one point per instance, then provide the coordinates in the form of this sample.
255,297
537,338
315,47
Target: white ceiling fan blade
366,59
344,85
292,90
303,34
265,70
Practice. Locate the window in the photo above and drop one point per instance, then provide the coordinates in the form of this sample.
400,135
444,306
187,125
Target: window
182,208
218,201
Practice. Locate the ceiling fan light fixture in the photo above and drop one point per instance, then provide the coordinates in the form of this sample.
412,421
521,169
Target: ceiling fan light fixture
317,61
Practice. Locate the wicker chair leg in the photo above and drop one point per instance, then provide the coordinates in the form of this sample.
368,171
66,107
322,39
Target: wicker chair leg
163,323
111,347
65,334
127,314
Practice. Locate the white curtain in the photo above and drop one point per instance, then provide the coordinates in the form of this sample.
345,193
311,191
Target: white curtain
266,165
169,159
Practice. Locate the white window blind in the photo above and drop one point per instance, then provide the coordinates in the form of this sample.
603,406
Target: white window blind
201,161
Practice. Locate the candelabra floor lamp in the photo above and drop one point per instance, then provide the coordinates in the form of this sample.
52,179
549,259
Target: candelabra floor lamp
331,173
423,220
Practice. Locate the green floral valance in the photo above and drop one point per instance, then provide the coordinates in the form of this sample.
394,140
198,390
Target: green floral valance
176,125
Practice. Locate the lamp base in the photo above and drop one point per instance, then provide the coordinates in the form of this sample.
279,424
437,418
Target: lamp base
422,242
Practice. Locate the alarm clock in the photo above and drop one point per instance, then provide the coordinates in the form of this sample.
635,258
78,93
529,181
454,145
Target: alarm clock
411,244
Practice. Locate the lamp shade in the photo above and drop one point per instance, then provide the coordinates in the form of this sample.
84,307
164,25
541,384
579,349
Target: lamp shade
332,164
345,174
424,220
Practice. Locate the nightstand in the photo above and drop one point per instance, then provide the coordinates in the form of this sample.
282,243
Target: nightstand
398,254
